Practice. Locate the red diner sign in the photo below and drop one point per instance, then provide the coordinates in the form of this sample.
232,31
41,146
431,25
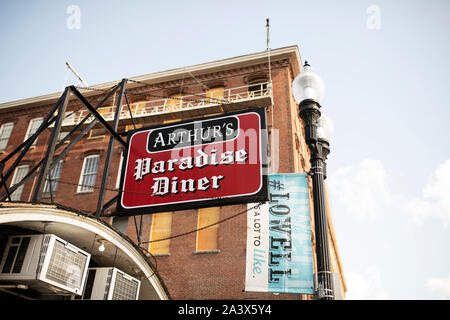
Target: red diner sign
204,162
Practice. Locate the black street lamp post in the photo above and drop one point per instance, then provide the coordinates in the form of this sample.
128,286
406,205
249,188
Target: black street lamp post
308,90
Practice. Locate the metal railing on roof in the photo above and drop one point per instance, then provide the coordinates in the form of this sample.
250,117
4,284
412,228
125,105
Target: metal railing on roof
177,104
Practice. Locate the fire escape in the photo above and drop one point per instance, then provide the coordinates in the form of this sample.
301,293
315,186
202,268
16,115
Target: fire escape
77,123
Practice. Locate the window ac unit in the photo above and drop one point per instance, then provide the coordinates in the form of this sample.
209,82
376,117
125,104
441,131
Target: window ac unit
46,263
110,284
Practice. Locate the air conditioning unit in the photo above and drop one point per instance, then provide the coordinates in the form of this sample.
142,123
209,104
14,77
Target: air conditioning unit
110,284
46,263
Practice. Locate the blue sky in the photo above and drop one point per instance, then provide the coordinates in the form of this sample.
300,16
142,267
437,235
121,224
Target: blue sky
385,66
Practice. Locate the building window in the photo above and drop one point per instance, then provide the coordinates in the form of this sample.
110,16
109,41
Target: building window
55,174
129,127
88,174
19,174
107,112
121,224
161,229
137,108
174,102
171,120
119,172
257,87
32,128
97,133
207,239
62,135
5,133
215,95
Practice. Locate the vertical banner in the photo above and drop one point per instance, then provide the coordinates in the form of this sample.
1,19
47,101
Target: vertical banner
279,248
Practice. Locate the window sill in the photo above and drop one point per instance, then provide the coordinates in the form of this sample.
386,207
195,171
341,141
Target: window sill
207,251
84,192
160,254
47,195
97,137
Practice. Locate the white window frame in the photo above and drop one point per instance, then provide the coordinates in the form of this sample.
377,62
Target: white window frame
62,135
119,172
29,132
55,174
5,138
17,194
81,187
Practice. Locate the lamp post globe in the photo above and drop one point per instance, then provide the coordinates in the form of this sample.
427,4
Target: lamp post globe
325,128
308,90
307,85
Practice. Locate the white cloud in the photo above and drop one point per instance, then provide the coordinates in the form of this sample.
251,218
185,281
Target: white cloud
366,285
440,285
363,189
435,202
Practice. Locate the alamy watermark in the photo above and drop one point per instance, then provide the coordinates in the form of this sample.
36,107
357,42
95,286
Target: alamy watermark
374,17
74,19
245,145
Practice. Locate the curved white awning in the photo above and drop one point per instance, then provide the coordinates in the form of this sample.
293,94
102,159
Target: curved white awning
85,232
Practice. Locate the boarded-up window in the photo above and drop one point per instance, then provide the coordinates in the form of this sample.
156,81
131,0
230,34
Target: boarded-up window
129,127
137,108
174,102
107,112
207,239
161,229
97,133
215,94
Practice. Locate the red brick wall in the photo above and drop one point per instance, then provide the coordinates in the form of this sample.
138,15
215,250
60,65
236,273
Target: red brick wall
187,274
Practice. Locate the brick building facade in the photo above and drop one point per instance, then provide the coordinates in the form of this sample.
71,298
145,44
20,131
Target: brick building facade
209,264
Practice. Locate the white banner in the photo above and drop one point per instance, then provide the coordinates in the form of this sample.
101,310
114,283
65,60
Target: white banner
257,248
279,249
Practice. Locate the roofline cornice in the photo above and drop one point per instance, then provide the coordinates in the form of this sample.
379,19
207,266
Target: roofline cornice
290,52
